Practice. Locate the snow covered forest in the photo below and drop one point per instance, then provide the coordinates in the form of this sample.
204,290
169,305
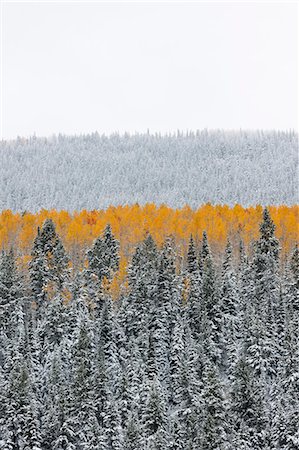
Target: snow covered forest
193,354
93,171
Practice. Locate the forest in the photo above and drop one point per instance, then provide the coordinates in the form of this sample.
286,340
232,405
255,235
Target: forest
95,171
197,349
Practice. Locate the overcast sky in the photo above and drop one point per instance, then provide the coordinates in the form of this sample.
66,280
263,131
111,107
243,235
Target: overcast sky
81,67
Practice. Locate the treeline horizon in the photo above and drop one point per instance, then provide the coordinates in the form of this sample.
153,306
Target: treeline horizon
173,133
95,171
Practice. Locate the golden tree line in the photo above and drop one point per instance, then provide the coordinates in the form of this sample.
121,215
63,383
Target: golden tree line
130,223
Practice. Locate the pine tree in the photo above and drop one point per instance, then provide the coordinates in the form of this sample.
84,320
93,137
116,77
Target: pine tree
228,286
142,276
192,264
204,252
10,290
176,361
213,433
163,312
103,257
133,438
154,419
190,409
229,307
247,413
266,281
287,436
293,283
265,263
108,347
21,425
194,301
112,429
48,267
212,321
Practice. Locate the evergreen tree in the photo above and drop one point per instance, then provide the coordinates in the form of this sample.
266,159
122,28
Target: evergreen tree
11,297
293,282
176,361
213,433
112,429
133,438
267,288
265,263
48,267
108,348
21,425
103,257
204,251
212,321
163,312
194,306
154,419
192,263
142,276
229,307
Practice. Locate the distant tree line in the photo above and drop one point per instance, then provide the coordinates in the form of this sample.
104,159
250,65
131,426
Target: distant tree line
95,171
191,355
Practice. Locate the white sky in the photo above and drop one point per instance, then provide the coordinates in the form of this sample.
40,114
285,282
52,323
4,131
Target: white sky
81,67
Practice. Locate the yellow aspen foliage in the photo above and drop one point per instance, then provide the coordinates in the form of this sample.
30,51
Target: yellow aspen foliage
129,224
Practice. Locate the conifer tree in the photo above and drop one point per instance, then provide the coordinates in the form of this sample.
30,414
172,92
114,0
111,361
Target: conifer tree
133,438
103,257
265,266
154,419
204,251
112,429
213,433
109,352
229,307
265,262
194,300
10,292
48,267
176,362
21,426
212,321
247,412
142,276
192,264
163,312
293,294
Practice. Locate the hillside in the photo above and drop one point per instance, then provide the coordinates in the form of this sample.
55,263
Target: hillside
93,171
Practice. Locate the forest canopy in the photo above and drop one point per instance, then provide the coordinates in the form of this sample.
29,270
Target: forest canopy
96,171
194,352
131,223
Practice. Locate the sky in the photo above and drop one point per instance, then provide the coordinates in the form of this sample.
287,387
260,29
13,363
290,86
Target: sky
76,68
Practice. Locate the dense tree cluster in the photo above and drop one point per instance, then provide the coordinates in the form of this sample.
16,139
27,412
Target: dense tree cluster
192,355
95,171
129,223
